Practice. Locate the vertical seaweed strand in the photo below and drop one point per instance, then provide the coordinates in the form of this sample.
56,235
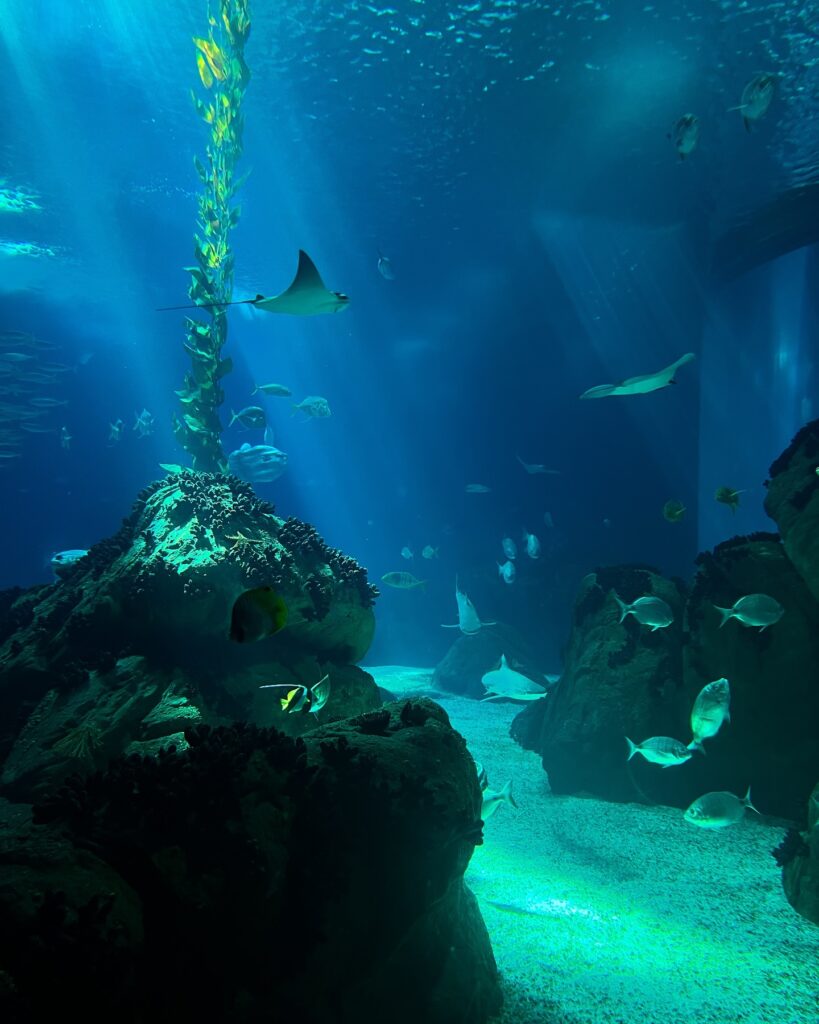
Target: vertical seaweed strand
224,76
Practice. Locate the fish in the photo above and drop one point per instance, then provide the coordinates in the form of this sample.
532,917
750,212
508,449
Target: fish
648,611
402,580
47,403
303,698
532,544
685,134
258,463
406,552
385,267
62,561
673,511
429,552
547,519
250,416
509,548
756,98
468,621
717,810
728,496
305,296
504,681
641,385
65,438
753,610
115,431
660,750
257,614
492,799
507,571
477,489
483,778
144,423
534,468
274,390
315,406
711,708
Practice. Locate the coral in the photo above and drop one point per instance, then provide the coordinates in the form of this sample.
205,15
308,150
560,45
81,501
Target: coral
805,442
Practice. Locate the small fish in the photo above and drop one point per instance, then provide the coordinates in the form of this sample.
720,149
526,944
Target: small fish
483,778
303,698
477,489
274,390
642,385
257,614
711,708
492,799
429,551
115,430
468,622
753,610
648,611
402,580
257,464
250,416
406,553
660,750
537,468
673,511
385,267
144,423
756,98
532,544
504,681
509,548
315,406
728,496
717,810
547,519
507,571
47,403
62,561
65,438
685,134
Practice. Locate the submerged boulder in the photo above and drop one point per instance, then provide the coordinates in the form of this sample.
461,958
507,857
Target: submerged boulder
799,858
256,877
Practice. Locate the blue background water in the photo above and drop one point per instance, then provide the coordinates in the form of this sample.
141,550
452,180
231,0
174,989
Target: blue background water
511,159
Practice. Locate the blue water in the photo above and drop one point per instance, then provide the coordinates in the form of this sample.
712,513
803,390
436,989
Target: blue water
511,159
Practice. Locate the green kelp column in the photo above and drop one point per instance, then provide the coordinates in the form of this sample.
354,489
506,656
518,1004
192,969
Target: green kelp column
224,74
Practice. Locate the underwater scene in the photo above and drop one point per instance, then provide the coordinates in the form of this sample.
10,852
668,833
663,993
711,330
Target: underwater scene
409,545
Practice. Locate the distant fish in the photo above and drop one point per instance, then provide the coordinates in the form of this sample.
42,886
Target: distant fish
469,622
756,98
385,267
547,519
507,571
257,614
685,134
534,468
47,403
492,799
711,708
115,430
477,489
273,390
257,464
640,385
62,561
406,552
532,544
717,810
660,750
509,548
252,416
504,681
754,610
673,511
727,496
429,552
306,295
314,406
303,698
144,423
648,611
402,580
65,438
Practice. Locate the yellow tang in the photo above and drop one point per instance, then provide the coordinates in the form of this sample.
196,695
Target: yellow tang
257,614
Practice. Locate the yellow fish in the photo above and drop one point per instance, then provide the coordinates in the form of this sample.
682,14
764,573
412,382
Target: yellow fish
257,614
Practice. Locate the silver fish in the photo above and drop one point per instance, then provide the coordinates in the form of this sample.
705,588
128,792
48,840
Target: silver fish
648,611
756,98
753,610
660,750
492,799
315,406
717,810
711,708
257,464
507,571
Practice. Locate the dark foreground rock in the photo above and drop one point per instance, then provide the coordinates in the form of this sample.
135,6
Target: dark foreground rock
254,877
799,856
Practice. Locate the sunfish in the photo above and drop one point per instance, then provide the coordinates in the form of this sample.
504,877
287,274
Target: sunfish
257,464
640,385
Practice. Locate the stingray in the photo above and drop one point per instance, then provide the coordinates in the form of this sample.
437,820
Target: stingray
306,296
640,385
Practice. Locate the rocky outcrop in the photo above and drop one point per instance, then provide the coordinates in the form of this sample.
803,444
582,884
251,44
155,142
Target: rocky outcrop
255,877
132,644
471,657
793,502
799,858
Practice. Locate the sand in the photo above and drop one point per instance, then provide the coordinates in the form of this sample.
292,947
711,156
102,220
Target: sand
604,913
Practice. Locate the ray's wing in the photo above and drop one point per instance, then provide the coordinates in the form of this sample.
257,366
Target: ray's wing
307,277
601,391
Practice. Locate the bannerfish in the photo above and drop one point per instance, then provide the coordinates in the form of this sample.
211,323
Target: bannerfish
728,496
685,134
274,390
711,708
257,614
385,267
303,698
429,552
469,622
477,489
406,552
258,463
402,580
648,611
507,571
509,548
756,98
753,610
315,406
250,416
660,750
532,544
717,810
62,561
640,385
673,511
492,799
504,681
534,468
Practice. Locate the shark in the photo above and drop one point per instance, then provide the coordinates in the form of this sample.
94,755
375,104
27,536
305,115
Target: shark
307,295
642,385
469,621
504,681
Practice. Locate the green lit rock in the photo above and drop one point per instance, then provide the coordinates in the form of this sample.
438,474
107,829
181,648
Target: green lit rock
800,873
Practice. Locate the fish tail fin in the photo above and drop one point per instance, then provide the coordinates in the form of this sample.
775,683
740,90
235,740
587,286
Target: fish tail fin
233,418
696,745
506,794
725,613
253,392
632,748
624,608
746,801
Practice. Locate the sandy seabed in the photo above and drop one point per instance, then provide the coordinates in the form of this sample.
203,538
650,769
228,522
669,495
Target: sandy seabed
605,913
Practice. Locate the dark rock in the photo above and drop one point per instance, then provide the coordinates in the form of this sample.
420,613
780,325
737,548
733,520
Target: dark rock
255,877
471,657
800,872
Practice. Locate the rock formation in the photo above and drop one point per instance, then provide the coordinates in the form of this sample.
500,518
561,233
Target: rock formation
799,858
